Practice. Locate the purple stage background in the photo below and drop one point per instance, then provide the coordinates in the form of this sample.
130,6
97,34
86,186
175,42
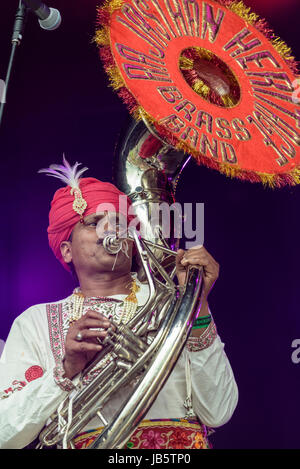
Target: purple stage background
59,102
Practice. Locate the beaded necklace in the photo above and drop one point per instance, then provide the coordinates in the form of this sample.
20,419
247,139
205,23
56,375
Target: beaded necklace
130,304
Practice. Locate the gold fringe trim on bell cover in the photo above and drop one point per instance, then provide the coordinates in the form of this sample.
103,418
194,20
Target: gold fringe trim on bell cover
252,18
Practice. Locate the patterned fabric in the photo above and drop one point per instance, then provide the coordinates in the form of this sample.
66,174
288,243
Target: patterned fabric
61,380
32,373
16,385
158,434
195,344
58,326
58,315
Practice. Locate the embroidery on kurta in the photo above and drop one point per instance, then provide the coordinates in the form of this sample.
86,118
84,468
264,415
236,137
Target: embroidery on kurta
55,326
157,434
32,373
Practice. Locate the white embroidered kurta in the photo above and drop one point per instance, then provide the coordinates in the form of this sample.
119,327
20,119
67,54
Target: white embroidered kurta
29,393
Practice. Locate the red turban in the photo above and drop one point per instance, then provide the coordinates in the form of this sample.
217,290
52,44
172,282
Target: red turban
63,218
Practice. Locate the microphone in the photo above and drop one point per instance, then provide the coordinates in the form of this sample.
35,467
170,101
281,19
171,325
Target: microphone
49,18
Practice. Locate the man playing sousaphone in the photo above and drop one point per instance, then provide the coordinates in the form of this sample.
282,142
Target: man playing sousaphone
51,344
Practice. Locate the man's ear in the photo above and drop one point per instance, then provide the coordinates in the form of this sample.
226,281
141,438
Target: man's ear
66,251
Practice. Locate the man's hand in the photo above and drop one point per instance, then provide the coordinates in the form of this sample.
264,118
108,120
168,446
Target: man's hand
79,354
198,256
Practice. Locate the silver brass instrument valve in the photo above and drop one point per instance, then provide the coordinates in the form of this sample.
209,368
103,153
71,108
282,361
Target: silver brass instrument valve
108,340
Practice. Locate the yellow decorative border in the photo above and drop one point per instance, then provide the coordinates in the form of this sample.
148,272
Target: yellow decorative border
182,423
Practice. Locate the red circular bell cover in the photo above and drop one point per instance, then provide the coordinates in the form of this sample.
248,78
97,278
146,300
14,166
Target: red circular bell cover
257,138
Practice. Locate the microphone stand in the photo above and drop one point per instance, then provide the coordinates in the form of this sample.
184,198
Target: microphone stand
16,40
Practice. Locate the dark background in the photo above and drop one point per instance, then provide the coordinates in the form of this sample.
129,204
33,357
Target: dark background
59,102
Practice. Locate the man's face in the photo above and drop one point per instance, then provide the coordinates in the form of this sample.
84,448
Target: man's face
85,249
